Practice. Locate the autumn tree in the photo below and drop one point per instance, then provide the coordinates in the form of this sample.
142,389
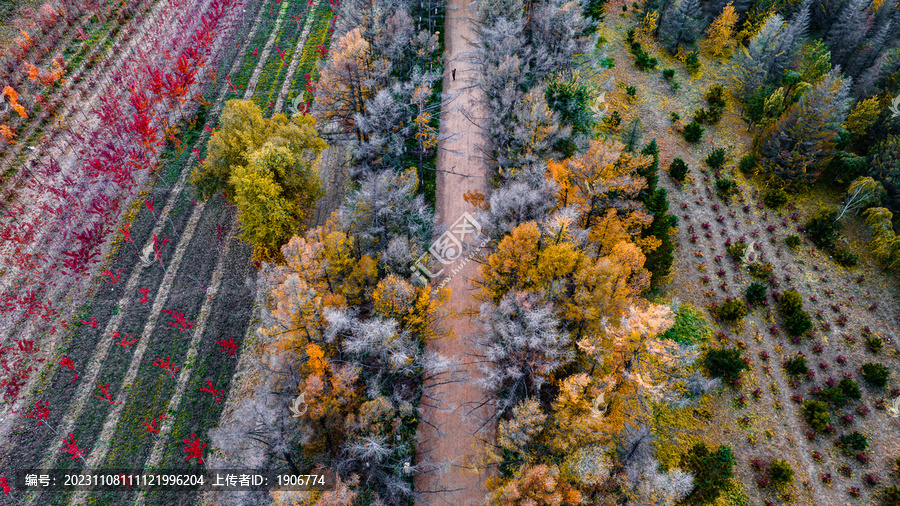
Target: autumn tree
795,147
529,195
273,193
848,30
243,132
885,244
540,484
719,39
863,115
640,479
346,82
863,192
386,216
386,129
523,344
558,33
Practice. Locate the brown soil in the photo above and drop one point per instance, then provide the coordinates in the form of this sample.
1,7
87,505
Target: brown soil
452,431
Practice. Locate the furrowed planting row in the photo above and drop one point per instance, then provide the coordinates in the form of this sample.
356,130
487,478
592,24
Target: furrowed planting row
112,156
48,97
227,313
53,179
87,335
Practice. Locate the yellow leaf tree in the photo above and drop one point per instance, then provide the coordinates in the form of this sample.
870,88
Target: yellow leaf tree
720,34
345,82
862,116
243,131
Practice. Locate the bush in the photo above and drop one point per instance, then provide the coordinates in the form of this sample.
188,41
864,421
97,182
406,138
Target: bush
678,169
792,241
781,472
796,321
712,471
709,116
747,164
642,59
612,122
798,324
715,96
853,443
844,257
874,343
725,188
693,132
796,366
816,415
693,62
731,311
756,293
736,251
775,198
668,74
725,364
822,228
690,326
841,394
761,270
890,496
790,302
876,374
716,159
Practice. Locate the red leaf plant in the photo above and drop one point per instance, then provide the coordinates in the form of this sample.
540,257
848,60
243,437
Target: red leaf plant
125,342
72,448
150,426
16,364
93,323
4,484
144,291
194,448
40,413
181,323
209,388
106,395
168,366
112,278
157,247
68,364
228,346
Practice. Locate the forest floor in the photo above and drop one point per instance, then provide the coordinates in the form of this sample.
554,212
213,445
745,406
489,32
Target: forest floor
452,427
762,418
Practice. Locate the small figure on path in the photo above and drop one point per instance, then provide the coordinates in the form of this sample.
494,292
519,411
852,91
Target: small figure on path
453,74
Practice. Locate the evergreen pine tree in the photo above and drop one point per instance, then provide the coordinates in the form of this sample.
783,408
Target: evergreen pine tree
795,146
681,24
848,31
631,138
750,65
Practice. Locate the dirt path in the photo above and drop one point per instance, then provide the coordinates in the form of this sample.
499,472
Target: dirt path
450,436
